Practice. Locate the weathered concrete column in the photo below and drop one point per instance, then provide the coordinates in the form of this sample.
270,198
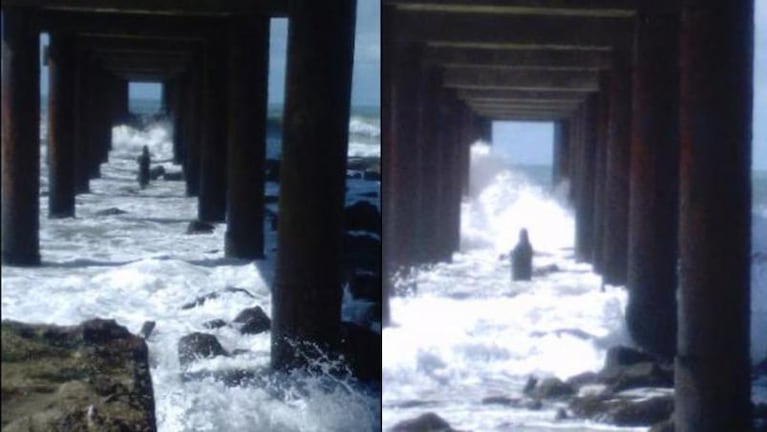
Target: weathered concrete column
454,176
561,152
104,115
576,127
248,77
427,213
212,197
20,139
193,127
615,245
389,165
306,302
179,116
467,139
584,208
653,216
61,123
165,97
82,129
712,363
600,168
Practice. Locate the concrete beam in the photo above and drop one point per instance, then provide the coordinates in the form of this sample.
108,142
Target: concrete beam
137,45
518,58
592,8
125,25
473,78
512,31
164,7
559,94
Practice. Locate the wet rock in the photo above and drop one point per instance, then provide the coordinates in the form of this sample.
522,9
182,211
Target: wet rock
94,376
146,329
501,400
561,414
532,404
252,321
371,176
273,170
173,176
622,356
428,422
624,410
156,172
198,345
362,216
214,324
112,211
271,199
365,285
582,379
530,384
362,252
545,270
552,388
361,349
199,227
761,367
637,376
199,301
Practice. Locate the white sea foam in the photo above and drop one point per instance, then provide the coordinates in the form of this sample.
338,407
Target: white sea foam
365,127
468,332
140,266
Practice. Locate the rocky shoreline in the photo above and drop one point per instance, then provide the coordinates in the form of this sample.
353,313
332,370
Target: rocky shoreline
633,389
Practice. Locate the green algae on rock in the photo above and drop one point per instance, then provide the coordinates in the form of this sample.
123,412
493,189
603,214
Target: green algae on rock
90,377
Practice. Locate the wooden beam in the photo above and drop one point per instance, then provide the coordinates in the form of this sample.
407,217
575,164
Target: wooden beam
513,31
473,78
518,58
599,8
164,7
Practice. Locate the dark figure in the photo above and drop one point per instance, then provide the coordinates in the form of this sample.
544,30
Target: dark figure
522,258
143,167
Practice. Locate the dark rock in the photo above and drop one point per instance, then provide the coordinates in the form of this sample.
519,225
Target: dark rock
362,216
146,329
761,367
214,324
561,414
428,422
362,252
101,331
271,199
532,381
365,286
252,320
199,301
621,356
196,345
112,211
545,270
532,404
582,379
624,411
56,380
199,227
143,167
644,412
361,349
371,176
501,400
552,388
273,170
174,176
664,426
638,375
156,172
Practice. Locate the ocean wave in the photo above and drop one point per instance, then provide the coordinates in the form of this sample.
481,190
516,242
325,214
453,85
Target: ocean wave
363,127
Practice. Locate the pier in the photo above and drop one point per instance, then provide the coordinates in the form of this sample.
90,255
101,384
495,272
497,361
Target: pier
212,59
644,96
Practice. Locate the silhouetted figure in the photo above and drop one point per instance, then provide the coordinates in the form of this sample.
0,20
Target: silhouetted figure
522,258
143,167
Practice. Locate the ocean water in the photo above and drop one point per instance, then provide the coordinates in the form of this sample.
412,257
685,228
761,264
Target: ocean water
140,266
466,332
